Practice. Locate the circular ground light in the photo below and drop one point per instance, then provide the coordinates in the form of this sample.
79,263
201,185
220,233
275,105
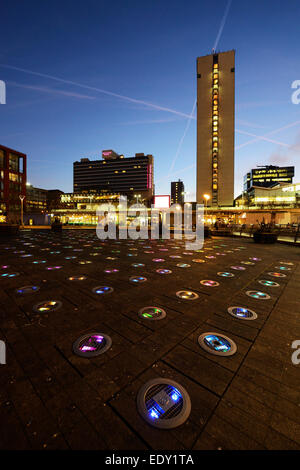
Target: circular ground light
275,274
242,313
255,259
43,261
137,279
267,283
103,290
91,345
183,265
84,262
9,275
282,268
209,283
47,306
77,278
27,290
255,294
217,344
163,403
51,268
198,260
152,313
111,271
225,274
158,260
137,265
248,263
238,268
187,295
164,271
5,266
288,263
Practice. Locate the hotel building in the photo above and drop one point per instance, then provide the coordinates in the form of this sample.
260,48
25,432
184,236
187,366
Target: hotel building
115,174
215,128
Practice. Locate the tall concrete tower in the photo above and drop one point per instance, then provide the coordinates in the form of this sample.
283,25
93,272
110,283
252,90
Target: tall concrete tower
215,128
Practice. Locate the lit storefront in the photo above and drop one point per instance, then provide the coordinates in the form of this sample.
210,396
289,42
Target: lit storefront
281,196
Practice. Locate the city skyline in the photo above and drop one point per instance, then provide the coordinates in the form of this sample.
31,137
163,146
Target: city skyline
72,102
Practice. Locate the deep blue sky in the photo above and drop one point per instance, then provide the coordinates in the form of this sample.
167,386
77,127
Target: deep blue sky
146,51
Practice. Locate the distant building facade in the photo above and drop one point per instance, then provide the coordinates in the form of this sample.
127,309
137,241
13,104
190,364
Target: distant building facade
12,184
281,196
36,199
215,128
115,174
268,176
81,208
39,204
177,192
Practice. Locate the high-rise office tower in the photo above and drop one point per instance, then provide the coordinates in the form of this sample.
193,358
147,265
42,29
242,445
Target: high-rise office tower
177,192
215,128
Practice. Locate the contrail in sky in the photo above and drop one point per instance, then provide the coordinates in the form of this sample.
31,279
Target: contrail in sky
191,116
52,91
183,137
257,137
99,90
222,24
264,137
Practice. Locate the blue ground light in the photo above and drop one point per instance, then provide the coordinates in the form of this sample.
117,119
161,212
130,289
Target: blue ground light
242,312
156,411
217,343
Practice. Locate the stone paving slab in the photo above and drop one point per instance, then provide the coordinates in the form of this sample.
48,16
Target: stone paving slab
53,399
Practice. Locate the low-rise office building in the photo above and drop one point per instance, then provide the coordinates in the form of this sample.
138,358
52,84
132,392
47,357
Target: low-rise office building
280,196
80,208
268,176
12,184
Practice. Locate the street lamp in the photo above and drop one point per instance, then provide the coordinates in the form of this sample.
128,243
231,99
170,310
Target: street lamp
22,203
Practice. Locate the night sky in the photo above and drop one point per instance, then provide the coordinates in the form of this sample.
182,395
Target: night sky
144,55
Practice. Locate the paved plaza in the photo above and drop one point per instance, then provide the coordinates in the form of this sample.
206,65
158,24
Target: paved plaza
51,398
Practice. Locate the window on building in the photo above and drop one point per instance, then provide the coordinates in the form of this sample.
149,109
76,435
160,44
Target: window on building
13,162
1,159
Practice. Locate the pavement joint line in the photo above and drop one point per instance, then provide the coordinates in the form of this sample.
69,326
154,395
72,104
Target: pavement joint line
128,425
191,379
68,361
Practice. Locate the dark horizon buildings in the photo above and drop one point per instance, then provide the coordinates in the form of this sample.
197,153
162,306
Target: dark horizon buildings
177,192
268,176
12,184
115,174
215,128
